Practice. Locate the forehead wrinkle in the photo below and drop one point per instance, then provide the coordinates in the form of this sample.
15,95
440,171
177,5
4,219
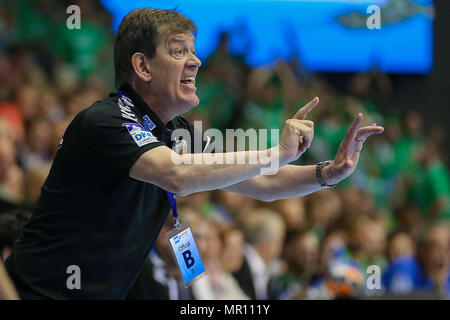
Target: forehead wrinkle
181,37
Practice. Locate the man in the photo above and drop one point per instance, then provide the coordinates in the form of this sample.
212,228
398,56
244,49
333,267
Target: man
434,259
11,225
104,201
264,232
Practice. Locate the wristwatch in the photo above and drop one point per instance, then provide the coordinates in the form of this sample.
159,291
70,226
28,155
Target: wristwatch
319,177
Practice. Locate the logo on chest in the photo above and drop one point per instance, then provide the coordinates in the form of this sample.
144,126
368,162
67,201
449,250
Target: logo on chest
139,134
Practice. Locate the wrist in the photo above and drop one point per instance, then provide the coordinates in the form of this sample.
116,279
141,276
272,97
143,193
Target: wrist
283,157
327,175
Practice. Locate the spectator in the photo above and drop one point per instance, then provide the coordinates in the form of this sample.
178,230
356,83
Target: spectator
301,254
232,251
264,232
323,209
293,212
371,243
35,178
38,148
11,176
434,250
11,225
218,284
403,272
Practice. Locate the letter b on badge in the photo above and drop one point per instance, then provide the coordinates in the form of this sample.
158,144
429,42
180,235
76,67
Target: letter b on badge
188,260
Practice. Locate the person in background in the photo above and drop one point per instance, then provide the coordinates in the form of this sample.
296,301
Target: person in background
230,206
293,212
233,245
11,225
264,233
12,186
338,275
38,148
371,242
35,178
332,246
431,189
218,283
301,254
403,272
323,209
434,257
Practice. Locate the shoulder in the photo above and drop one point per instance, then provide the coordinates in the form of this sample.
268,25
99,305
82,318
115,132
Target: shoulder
180,122
108,113
102,109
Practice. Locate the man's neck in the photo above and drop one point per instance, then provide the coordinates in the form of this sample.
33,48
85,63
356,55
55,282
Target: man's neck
159,109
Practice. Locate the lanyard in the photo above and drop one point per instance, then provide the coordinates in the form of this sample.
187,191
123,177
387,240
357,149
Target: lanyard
170,195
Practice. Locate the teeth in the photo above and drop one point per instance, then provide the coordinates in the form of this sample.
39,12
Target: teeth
189,81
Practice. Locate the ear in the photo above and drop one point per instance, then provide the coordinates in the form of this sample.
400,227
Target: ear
141,66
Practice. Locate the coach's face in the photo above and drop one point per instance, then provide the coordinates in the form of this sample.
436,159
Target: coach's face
173,71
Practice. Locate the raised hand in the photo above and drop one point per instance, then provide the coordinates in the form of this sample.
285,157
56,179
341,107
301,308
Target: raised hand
298,133
347,156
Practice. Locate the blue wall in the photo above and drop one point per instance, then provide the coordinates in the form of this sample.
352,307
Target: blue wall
326,35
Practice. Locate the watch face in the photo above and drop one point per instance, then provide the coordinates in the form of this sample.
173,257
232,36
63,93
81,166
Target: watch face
324,163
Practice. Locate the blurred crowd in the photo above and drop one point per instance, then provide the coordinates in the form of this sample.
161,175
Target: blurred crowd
393,213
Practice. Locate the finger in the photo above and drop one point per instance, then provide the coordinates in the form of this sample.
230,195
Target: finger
306,140
301,114
365,132
352,131
308,123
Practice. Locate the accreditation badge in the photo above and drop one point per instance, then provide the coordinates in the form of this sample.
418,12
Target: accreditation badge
186,254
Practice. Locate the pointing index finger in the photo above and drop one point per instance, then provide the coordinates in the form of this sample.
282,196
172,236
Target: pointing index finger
353,130
301,114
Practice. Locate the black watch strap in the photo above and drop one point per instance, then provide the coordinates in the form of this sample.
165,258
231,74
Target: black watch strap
319,177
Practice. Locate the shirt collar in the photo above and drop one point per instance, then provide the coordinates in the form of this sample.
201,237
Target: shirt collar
143,109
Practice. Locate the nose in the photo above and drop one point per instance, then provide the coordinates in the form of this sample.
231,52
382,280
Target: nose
193,61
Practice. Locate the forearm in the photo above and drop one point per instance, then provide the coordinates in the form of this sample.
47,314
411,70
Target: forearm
204,172
290,181
190,173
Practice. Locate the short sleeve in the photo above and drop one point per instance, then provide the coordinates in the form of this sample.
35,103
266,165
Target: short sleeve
114,141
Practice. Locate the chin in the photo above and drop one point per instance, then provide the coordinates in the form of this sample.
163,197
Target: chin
190,103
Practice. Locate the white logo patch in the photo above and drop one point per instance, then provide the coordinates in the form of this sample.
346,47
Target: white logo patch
140,135
124,106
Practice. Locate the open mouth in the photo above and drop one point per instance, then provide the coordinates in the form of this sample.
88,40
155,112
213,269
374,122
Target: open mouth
189,81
